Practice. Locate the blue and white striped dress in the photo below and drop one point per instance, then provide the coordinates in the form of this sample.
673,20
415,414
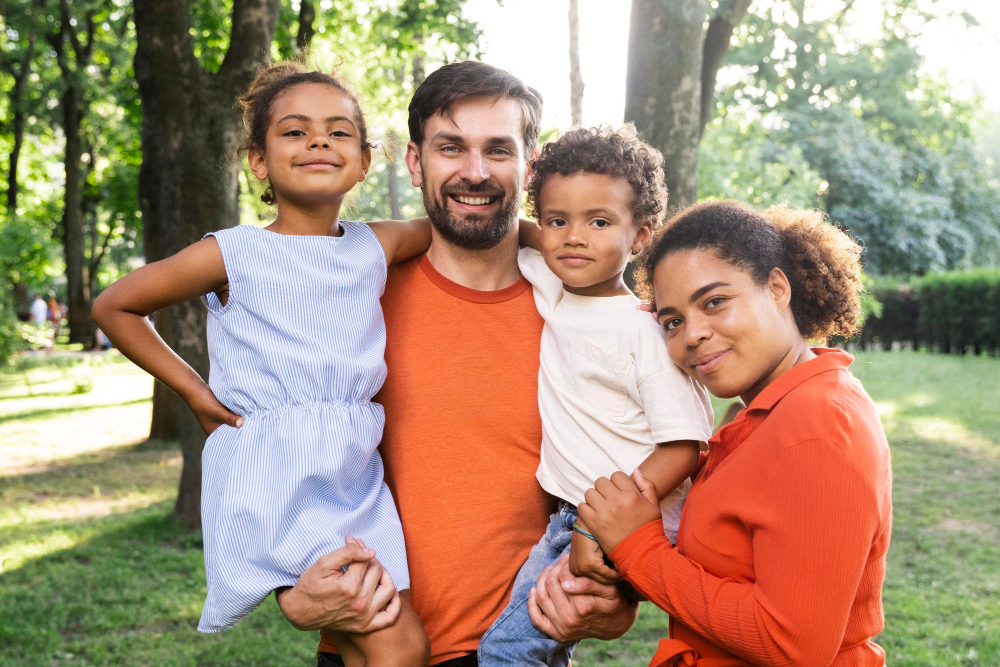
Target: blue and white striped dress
298,352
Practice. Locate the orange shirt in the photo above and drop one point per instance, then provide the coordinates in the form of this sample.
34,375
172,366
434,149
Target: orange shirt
782,545
461,445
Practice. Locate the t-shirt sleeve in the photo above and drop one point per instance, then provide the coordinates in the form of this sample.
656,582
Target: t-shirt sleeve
676,406
547,287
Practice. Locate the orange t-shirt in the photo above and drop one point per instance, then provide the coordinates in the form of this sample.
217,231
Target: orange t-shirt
461,445
781,552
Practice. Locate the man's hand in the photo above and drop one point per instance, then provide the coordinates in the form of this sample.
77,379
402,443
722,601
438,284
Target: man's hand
616,507
210,412
569,608
361,600
586,559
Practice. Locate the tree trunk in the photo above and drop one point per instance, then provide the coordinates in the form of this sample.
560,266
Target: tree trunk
17,104
575,77
78,301
663,87
189,186
392,176
307,14
720,31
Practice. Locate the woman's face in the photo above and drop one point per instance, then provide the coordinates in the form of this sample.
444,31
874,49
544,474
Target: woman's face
722,327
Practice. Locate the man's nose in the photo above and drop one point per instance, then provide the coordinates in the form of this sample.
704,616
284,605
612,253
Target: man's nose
474,168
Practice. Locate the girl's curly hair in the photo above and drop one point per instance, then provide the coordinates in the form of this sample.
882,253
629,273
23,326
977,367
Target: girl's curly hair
271,82
616,152
821,261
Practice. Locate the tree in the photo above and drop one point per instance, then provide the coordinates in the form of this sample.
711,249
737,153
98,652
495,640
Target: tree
575,77
669,86
188,181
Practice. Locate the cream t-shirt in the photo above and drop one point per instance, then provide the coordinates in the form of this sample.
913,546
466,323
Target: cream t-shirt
607,390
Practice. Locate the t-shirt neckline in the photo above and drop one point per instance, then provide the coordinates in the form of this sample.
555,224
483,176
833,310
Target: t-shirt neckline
467,293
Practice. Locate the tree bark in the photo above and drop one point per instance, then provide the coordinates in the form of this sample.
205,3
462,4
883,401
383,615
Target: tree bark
188,183
575,77
717,37
17,125
663,87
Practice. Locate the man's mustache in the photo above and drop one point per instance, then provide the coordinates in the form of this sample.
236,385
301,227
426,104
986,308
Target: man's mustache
470,188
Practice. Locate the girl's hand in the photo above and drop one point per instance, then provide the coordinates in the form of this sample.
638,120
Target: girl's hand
616,507
586,559
210,413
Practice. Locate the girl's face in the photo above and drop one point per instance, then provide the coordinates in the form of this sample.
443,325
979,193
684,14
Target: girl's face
722,327
313,154
588,234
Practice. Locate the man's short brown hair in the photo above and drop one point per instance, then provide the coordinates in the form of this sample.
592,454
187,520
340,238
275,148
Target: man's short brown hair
459,81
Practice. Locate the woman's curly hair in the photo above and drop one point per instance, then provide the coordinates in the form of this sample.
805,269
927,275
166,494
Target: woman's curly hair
821,261
271,82
615,152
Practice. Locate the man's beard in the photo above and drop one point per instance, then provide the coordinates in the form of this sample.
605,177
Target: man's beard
472,231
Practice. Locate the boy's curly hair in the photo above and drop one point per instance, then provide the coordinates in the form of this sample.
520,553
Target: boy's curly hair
615,152
271,82
821,261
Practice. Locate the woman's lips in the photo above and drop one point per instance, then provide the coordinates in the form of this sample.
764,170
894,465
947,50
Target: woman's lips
708,363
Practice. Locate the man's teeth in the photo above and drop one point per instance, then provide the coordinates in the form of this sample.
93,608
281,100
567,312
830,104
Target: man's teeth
473,201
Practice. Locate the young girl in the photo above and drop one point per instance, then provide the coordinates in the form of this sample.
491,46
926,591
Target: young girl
296,340
609,396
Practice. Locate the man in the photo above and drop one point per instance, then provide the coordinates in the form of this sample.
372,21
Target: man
463,433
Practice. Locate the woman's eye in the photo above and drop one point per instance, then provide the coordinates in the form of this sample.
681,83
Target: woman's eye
715,303
672,324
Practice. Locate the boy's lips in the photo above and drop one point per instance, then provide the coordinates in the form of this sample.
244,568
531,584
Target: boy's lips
706,363
574,259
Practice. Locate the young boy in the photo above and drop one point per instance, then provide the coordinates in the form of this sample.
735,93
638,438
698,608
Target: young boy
609,396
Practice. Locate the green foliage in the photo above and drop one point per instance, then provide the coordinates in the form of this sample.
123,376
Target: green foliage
892,147
955,312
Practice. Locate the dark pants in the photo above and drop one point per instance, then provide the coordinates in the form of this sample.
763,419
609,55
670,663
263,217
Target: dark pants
334,660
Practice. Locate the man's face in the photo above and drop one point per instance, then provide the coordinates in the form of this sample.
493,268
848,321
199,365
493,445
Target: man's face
472,169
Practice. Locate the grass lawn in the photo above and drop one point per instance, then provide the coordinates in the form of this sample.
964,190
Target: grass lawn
93,571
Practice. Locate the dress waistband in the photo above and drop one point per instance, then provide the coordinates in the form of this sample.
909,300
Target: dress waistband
303,407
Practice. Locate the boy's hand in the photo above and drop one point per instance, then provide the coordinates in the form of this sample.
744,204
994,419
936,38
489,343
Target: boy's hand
617,507
210,413
586,559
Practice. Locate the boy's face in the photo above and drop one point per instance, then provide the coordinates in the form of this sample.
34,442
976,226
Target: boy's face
588,234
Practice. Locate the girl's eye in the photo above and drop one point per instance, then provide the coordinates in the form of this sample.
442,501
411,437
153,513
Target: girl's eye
716,302
295,133
341,133
601,222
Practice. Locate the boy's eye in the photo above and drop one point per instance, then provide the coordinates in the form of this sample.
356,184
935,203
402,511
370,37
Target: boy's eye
556,222
601,222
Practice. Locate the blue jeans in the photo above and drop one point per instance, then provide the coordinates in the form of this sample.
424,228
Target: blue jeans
512,639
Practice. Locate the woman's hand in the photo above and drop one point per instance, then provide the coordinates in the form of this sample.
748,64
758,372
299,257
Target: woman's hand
209,412
361,600
586,559
616,507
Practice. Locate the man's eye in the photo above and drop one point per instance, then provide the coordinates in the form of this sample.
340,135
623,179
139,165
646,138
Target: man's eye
450,150
500,152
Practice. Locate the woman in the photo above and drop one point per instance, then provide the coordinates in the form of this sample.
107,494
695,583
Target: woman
781,552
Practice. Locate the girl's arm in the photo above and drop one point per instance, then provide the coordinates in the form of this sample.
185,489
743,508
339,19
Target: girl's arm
122,312
402,240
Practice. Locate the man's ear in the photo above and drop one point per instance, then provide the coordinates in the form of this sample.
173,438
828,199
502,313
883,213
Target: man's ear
255,158
527,170
413,164
780,288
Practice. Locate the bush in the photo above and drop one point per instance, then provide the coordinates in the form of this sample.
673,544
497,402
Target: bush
954,312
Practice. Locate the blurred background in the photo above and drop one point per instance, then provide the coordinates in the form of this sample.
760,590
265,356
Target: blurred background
118,137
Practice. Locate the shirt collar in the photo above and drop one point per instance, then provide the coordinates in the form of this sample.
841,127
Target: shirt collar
827,359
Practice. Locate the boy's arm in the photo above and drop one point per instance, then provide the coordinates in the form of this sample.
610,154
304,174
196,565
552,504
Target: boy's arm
402,239
529,234
122,312
670,464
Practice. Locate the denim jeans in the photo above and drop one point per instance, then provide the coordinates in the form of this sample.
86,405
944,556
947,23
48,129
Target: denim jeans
512,639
